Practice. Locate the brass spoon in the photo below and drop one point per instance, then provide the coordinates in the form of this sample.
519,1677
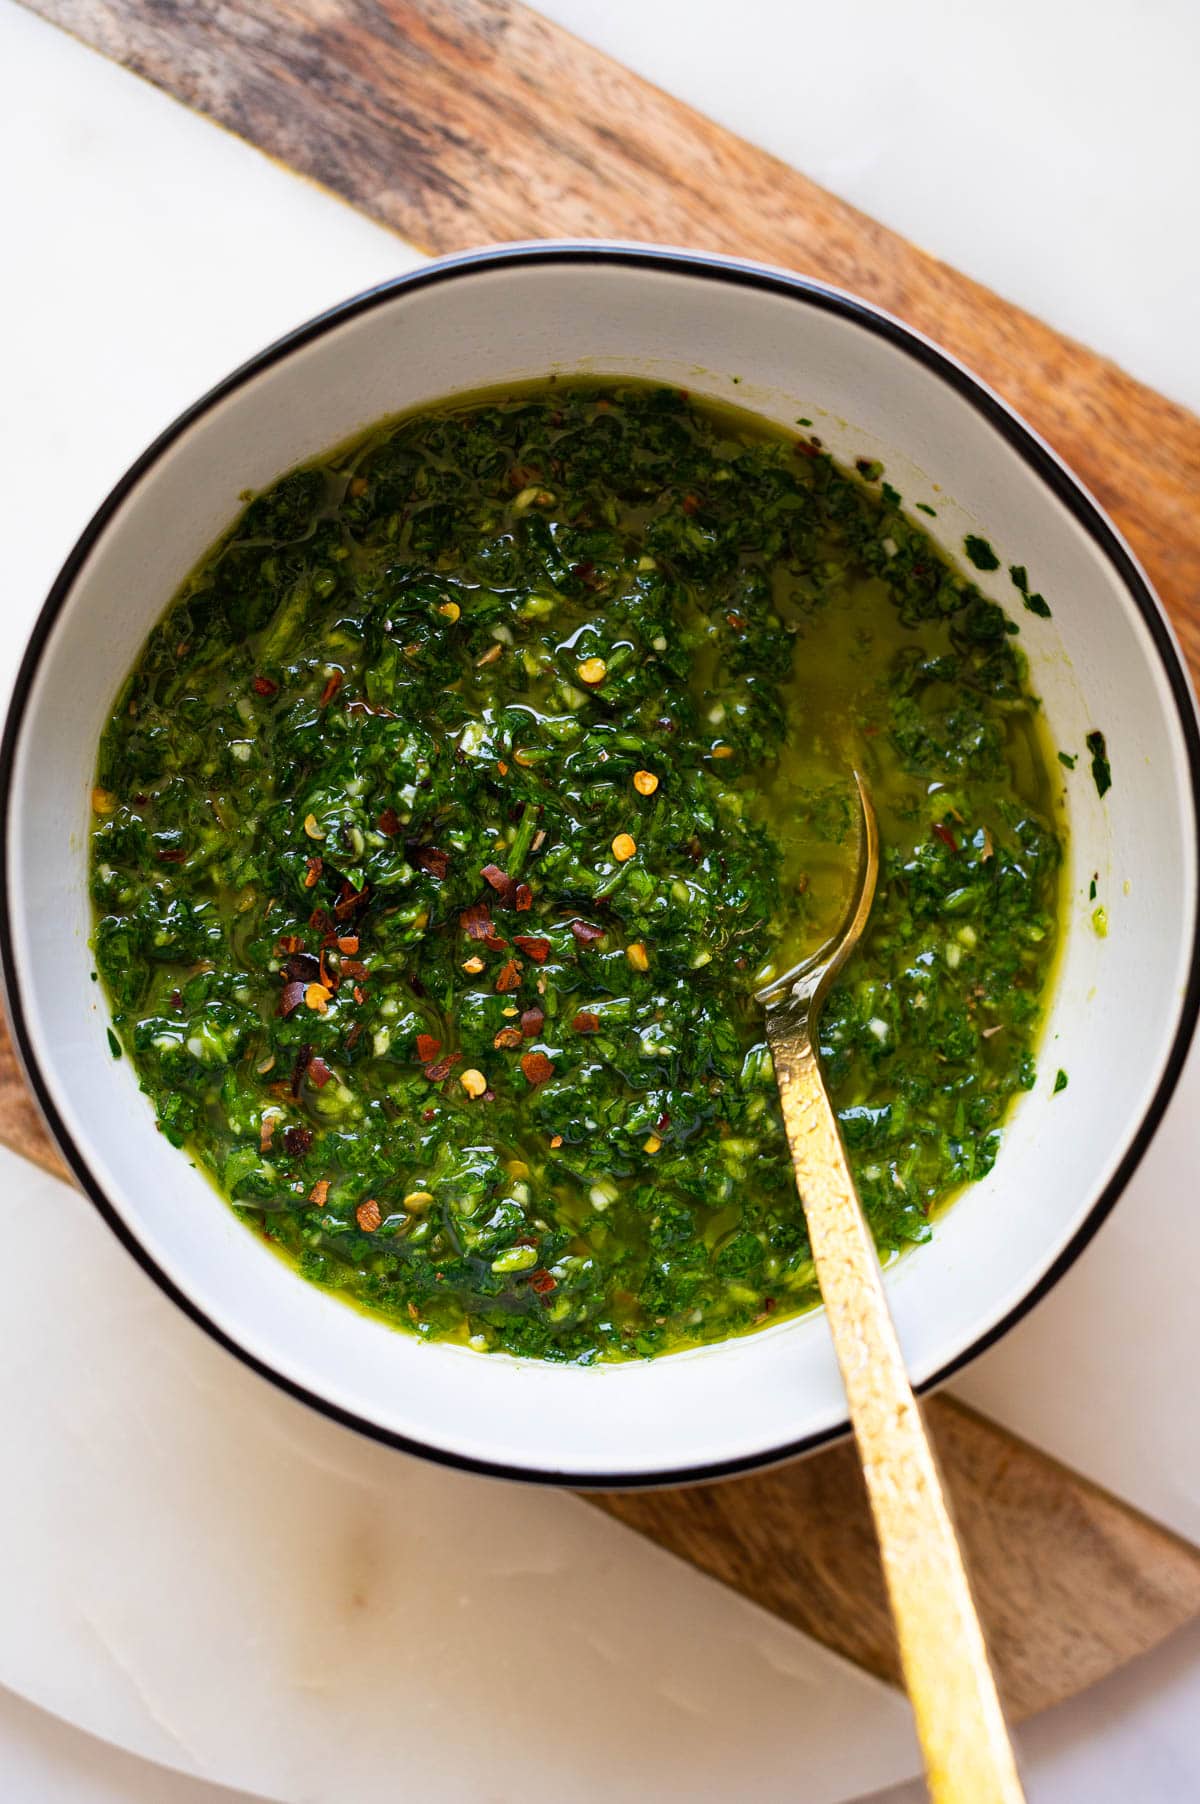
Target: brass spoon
964,1741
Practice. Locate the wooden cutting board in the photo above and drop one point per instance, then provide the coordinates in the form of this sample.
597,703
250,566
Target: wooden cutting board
461,122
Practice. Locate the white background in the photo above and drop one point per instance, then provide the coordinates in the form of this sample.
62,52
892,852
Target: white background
1050,150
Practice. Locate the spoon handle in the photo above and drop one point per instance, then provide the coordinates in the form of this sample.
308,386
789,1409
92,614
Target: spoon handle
964,1740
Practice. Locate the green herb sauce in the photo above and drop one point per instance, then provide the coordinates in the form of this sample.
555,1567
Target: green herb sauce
464,796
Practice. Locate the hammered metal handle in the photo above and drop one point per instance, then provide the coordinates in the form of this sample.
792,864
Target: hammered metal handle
964,1740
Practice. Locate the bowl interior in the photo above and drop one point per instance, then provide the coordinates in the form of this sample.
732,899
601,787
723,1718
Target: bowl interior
1102,661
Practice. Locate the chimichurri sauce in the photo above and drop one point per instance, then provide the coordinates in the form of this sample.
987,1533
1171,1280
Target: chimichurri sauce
465,794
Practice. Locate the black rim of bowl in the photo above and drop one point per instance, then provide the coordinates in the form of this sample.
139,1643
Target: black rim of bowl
1055,476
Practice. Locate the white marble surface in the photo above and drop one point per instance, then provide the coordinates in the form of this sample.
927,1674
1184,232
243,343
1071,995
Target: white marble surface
156,252
240,1589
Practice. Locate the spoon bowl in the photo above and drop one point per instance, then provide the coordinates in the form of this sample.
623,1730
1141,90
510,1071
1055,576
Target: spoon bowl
809,981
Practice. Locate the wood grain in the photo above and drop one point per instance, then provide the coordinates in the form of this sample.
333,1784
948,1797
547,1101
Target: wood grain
460,122
1069,1582
21,1124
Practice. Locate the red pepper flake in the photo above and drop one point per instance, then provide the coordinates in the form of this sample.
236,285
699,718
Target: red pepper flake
177,999
368,1215
360,999
531,1023
325,975
291,942
476,921
313,871
298,1140
508,1037
556,1140
428,1114
266,1132
389,823
944,834
494,942
541,1281
524,897
356,1029
690,503
303,967
319,1073
427,1048
293,996
443,1067
264,685
171,855
303,1060
331,688
499,880
354,967
585,934
348,943
586,1022
537,1068
537,948
350,900
320,923
318,1193
736,622
431,859
509,978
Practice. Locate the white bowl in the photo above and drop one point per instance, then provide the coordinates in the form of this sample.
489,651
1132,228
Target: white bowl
1123,1007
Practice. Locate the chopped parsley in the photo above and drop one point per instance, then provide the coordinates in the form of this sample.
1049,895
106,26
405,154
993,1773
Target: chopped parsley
980,553
1101,769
